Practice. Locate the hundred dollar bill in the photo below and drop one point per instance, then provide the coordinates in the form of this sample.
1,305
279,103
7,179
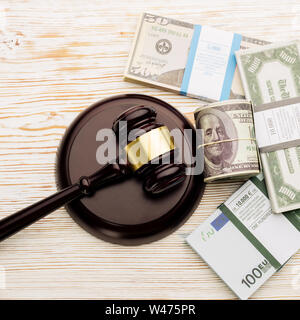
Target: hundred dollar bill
189,59
243,242
230,150
272,73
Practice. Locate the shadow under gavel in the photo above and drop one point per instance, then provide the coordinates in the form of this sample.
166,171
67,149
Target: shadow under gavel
158,177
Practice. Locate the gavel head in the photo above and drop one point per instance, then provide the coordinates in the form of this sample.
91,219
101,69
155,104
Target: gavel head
149,149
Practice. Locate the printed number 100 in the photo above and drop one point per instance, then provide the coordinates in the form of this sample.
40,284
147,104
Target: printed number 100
250,279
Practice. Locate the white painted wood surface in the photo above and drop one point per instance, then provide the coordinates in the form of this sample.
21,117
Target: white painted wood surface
57,58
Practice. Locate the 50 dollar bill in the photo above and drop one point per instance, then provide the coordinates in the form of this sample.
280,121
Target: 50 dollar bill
186,58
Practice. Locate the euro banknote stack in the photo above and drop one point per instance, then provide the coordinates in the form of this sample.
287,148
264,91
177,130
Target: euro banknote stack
270,76
243,242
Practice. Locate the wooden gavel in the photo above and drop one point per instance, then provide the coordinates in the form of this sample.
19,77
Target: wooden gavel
157,175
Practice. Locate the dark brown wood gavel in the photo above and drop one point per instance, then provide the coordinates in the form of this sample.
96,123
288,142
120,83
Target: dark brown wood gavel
157,175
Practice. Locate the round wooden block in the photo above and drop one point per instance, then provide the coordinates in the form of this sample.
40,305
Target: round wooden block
123,213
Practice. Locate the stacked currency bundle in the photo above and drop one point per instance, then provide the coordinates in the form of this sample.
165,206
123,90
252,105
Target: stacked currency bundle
189,59
271,75
243,242
230,150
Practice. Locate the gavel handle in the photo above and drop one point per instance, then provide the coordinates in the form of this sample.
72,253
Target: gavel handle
86,185
25,217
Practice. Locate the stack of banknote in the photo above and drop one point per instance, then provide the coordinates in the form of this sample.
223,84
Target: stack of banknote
188,59
272,73
243,242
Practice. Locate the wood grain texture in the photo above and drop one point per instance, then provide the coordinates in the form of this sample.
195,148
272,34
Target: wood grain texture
57,58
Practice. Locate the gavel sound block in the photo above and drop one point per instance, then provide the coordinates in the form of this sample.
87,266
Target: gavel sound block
123,213
127,212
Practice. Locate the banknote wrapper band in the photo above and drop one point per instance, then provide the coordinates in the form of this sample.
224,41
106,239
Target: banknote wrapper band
225,88
250,236
190,62
272,106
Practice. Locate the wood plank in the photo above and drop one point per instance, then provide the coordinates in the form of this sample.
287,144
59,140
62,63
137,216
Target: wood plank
57,58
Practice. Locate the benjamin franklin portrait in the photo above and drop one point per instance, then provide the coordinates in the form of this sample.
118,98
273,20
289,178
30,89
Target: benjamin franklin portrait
217,127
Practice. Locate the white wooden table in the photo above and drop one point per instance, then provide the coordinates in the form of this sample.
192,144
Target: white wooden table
57,58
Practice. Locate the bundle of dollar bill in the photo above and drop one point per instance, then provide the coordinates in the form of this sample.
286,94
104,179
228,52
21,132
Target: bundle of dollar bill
189,59
272,73
230,150
243,242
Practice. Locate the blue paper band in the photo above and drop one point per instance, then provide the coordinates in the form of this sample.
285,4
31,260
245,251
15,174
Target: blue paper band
190,61
236,42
